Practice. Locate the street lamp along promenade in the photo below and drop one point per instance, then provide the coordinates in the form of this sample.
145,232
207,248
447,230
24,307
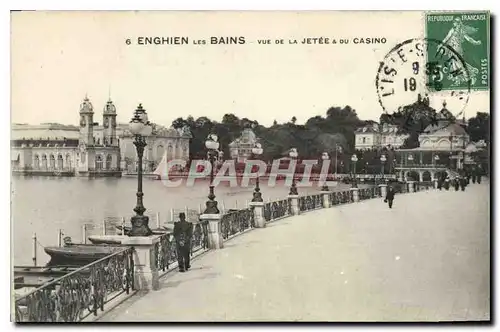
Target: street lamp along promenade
383,159
324,157
354,160
293,189
140,127
212,145
257,195
410,159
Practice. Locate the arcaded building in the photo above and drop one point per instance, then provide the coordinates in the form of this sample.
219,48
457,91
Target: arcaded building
90,149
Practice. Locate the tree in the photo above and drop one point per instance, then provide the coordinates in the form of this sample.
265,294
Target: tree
479,127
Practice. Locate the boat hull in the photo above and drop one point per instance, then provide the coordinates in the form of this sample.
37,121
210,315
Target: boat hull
78,255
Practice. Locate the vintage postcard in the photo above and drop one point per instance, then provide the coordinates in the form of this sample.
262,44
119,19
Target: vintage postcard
197,166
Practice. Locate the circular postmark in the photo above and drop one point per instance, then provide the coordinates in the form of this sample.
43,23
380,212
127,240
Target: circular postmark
421,69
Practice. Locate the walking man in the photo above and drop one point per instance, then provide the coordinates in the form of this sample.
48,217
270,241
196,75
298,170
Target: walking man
183,231
389,197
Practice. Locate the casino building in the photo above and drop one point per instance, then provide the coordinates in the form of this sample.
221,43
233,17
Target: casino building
90,149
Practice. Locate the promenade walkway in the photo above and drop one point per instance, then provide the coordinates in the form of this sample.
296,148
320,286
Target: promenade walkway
427,259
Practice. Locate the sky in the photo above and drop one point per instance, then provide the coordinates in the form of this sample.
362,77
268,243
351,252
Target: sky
59,57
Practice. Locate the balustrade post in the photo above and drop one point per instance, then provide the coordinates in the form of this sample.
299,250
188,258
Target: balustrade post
145,267
215,240
326,201
411,186
294,202
383,190
258,214
355,194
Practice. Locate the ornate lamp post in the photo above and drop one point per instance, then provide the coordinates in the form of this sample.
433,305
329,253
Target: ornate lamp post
212,145
257,196
410,159
354,160
324,157
383,159
140,127
293,189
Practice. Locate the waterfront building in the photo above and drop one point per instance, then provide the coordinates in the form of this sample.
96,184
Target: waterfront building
376,136
90,149
241,148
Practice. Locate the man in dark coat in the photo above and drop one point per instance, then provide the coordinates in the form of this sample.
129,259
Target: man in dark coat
183,232
389,197
456,183
463,183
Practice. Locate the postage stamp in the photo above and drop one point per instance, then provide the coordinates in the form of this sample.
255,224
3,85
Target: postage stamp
468,34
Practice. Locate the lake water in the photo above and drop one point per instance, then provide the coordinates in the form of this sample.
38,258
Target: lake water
43,205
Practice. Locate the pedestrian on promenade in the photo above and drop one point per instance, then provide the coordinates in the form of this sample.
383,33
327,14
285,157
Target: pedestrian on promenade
479,178
463,183
183,232
447,183
473,178
389,197
456,183
440,184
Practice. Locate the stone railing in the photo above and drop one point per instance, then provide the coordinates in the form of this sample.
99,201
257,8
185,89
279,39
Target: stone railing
81,293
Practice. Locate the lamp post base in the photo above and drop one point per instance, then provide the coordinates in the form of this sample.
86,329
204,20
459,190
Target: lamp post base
211,208
140,226
257,197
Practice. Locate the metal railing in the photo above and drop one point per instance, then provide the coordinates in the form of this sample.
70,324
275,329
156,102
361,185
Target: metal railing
81,293
235,222
166,248
368,193
340,197
310,202
277,209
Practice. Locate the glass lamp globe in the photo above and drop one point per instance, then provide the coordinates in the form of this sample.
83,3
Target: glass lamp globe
325,156
136,126
147,130
354,158
410,157
436,157
382,158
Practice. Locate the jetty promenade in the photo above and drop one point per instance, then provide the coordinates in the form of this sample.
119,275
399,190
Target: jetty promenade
426,259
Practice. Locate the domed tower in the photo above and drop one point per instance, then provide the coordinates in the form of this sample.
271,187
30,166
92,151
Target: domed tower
86,122
109,124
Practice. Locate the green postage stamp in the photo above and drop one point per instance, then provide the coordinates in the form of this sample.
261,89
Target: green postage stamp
468,35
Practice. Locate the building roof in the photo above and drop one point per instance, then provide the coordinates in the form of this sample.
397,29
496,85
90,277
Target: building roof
445,130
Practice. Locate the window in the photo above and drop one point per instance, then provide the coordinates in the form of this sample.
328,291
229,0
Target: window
364,140
98,162
109,159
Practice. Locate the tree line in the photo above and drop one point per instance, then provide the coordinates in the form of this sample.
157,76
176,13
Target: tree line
334,131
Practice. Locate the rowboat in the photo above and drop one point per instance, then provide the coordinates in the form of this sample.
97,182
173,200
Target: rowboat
78,254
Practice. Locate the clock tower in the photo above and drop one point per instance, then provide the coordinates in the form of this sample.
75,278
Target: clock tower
109,124
86,123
